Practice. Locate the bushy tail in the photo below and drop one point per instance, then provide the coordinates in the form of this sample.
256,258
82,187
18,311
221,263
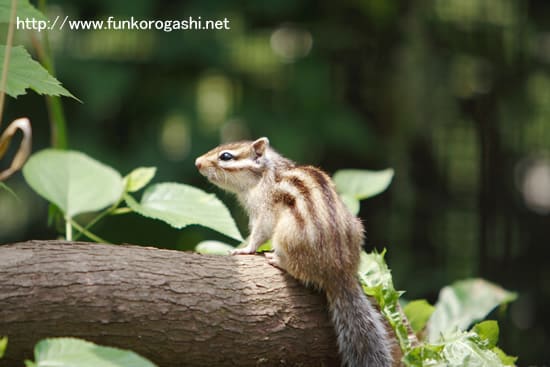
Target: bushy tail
362,337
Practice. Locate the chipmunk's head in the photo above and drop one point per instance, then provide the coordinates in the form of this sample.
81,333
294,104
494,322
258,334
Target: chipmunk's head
236,166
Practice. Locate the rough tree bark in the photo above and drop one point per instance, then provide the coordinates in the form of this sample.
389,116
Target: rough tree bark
175,308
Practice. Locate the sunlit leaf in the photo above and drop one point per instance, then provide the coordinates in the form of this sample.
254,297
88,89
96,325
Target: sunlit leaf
138,178
181,205
70,352
213,248
25,73
265,247
504,358
424,355
376,279
463,303
351,202
374,272
487,330
73,181
456,350
466,350
362,184
418,313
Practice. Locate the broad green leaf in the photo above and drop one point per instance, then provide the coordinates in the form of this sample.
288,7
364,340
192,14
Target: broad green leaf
487,330
463,303
138,178
73,181
182,205
70,352
213,248
3,345
25,73
418,313
24,11
362,184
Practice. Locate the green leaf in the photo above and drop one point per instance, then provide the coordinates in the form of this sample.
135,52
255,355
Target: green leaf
487,330
265,247
3,345
70,352
182,205
213,248
424,355
418,313
463,303
374,272
375,276
138,178
465,349
25,73
504,358
457,350
72,181
362,184
351,202
24,11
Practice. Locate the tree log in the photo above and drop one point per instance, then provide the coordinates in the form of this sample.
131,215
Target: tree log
174,308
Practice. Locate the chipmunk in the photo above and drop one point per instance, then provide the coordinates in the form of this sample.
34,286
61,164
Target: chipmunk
314,236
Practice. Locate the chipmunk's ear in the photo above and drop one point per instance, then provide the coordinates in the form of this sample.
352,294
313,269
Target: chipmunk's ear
260,146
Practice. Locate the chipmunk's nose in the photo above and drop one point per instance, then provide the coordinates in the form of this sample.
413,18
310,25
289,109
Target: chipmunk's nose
198,163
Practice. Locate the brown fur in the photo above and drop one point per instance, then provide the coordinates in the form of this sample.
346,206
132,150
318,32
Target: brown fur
315,237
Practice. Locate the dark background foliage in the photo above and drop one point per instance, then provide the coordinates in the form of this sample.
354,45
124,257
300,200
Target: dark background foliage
453,94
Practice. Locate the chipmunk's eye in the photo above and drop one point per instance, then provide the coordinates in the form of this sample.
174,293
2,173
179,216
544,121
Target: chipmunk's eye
226,156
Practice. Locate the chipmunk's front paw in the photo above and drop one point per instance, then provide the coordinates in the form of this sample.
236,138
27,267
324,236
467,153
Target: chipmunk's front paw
243,251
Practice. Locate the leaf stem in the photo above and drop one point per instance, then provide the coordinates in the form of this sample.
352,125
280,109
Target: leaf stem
10,191
68,229
120,211
92,222
58,123
111,210
87,233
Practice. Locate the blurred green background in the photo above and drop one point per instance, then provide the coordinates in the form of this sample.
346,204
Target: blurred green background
453,94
